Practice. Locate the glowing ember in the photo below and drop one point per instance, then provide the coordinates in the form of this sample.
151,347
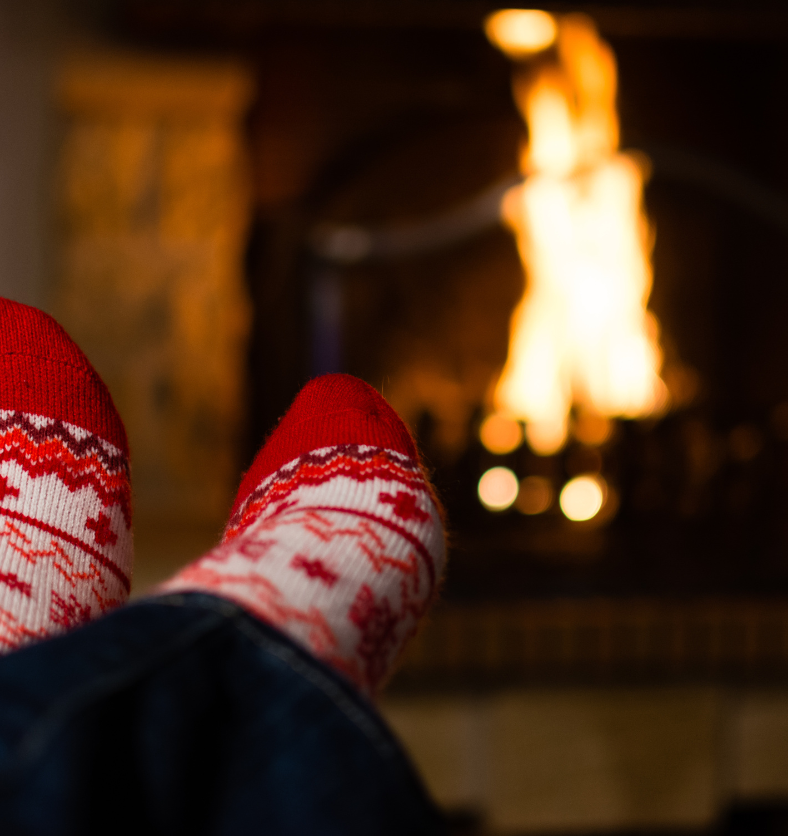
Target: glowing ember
581,335
498,488
519,32
582,498
500,435
592,429
535,495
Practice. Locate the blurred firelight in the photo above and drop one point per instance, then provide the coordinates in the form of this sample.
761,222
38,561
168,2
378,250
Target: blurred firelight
498,488
520,32
592,429
535,495
581,333
582,498
501,435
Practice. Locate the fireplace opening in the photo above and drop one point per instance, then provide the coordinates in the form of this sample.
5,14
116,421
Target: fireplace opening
391,265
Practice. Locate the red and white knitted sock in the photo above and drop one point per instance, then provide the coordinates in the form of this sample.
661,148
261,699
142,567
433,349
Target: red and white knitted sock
335,536
65,498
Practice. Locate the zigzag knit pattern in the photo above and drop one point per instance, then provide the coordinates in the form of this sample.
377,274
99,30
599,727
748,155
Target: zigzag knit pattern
341,547
65,498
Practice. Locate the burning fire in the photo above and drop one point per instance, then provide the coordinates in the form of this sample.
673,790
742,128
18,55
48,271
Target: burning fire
581,335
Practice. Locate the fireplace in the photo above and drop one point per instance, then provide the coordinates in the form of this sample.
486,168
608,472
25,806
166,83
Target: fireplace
395,277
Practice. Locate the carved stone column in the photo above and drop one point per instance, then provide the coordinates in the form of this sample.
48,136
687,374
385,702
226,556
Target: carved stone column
153,198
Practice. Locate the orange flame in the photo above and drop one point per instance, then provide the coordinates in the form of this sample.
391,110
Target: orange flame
581,334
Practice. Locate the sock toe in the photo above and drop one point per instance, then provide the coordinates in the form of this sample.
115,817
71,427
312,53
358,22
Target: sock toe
43,372
331,410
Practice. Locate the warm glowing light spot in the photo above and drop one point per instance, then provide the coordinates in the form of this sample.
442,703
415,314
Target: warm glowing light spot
582,497
498,488
501,435
535,495
545,438
592,429
520,32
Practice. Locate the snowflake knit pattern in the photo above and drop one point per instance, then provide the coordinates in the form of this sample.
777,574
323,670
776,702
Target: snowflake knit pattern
65,496
335,536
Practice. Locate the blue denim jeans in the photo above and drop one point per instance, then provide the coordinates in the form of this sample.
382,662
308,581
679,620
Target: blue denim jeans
185,715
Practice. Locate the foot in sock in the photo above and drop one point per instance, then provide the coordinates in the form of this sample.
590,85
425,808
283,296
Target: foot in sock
65,498
335,536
